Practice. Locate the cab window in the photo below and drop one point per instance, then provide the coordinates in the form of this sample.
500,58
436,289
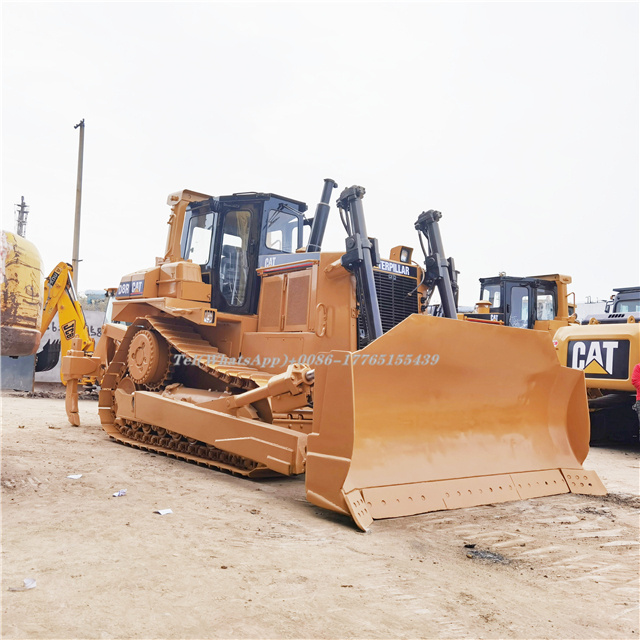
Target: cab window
234,263
545,305
198,241
491,293
283,233
627,306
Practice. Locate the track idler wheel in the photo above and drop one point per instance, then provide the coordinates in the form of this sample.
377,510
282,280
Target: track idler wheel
148,358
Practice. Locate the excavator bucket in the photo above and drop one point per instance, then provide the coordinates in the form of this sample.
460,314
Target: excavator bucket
440,414
48,357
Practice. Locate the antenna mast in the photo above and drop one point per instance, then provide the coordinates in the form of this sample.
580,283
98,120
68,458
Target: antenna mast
22,212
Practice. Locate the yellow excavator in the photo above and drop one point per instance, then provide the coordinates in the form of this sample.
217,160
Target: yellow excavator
60,297
248,349
606,347
29,303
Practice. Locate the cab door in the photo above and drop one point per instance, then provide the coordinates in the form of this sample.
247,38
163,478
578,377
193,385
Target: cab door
234,282
519,302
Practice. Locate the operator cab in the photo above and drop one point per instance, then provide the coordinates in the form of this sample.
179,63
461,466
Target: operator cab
518,302
230,236
626,300
622,307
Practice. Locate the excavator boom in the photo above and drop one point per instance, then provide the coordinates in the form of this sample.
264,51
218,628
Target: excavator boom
60,297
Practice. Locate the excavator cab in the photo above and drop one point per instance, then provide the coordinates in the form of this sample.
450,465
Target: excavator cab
228,236
625,301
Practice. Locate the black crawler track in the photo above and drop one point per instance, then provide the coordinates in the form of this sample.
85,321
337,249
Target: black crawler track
184,340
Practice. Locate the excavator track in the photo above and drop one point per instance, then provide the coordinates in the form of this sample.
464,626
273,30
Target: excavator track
184,341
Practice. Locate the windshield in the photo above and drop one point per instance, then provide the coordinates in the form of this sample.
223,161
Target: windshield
628,306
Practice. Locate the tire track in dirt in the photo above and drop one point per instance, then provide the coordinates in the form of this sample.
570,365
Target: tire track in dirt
580,543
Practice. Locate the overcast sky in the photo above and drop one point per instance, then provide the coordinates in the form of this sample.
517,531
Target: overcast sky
519,121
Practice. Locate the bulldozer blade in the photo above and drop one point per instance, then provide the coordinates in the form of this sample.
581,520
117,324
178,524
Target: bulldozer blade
441,414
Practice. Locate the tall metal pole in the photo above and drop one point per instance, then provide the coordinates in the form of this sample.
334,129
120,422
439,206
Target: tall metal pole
21,215
76,227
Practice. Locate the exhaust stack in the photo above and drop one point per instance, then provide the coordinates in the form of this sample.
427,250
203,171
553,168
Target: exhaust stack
321,217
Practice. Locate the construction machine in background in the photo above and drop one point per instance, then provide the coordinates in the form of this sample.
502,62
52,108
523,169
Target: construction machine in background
60,297
535,302
249,350
623,304
21,295
606,347
30,302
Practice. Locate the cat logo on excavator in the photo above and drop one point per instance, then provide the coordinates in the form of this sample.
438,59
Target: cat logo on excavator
349,389
609,358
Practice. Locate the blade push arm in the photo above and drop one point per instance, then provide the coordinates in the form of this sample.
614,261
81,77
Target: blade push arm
440,271
361,256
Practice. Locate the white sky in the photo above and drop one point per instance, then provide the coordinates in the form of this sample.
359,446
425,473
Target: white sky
519,121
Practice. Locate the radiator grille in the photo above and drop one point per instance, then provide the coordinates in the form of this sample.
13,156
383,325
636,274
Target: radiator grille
397,299
298,299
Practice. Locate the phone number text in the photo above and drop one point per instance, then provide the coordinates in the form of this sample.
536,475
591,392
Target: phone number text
313,359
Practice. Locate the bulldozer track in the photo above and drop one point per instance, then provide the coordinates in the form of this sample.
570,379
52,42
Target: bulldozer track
187,342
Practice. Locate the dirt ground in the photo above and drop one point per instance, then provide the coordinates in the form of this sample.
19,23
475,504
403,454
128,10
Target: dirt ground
253,559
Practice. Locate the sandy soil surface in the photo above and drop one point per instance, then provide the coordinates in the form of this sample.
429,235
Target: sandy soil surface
253,559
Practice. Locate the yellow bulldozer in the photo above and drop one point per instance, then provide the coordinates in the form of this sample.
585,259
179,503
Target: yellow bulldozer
249,349
541,302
